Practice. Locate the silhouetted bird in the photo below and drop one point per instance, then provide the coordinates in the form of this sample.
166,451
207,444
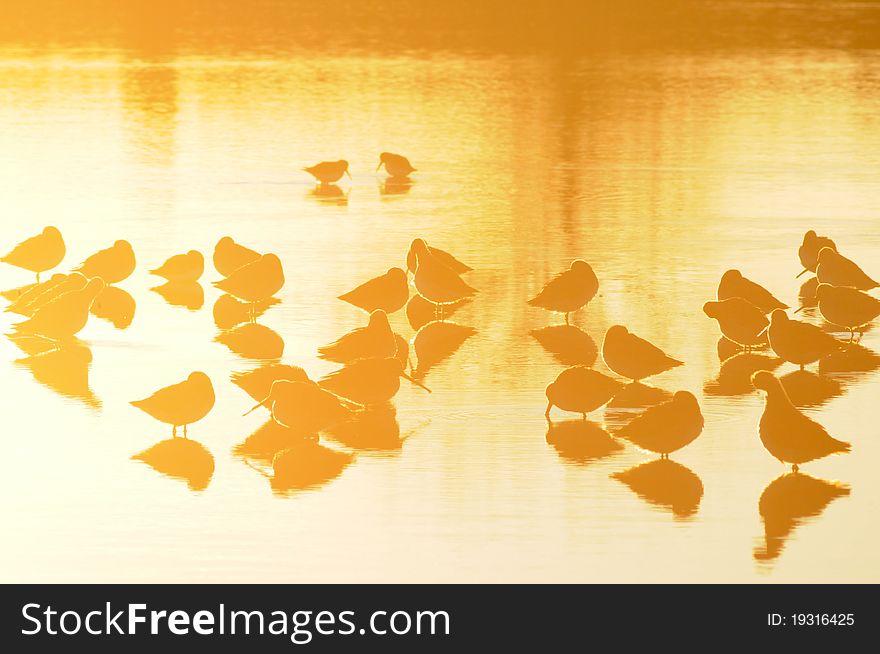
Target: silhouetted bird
788,501
666,427
568,291
229,256
65,315
396,164
799,342
255,281
633,357
180,458
113,265
388,292
847,307
20,298
733,284
665,483
740,321
837,270
304,406
435,281
180,404
29,303
182,267
328,172
419,311
38,253
442,256
788,434
375,341
580,390
368,381
808,252
258,382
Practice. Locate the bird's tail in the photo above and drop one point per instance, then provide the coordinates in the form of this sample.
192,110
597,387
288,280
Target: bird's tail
841,446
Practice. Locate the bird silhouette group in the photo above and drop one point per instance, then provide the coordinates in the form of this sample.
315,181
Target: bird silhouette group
351,404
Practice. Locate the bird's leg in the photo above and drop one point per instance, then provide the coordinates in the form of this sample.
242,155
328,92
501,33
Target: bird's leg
583,416
802,366
174,431
184,431
794,467
38,278
566,319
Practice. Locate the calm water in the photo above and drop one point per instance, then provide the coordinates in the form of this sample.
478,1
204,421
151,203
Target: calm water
661,166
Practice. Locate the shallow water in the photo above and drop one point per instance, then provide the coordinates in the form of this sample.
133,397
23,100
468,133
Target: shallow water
661,166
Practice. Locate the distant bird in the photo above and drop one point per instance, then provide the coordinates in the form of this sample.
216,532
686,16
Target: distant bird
633,357
740,321
182,267
788,434
255,281
733,284
328,172
837,270
258,382
229,256
435,281
799,342
305,406
388,292
568,291
38,253
847,307
396,164
375,341
180,404
666,427
808,252
442,256
113,265
580,389
65,315
368,381
28,304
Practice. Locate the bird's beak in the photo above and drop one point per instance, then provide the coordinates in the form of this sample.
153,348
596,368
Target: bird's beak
802,272
348,173
417,383
800,308
764,331
257,406
379,166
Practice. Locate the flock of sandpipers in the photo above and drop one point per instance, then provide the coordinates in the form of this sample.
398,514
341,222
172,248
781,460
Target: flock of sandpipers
374,358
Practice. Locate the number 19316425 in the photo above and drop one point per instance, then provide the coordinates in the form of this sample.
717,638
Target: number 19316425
811,620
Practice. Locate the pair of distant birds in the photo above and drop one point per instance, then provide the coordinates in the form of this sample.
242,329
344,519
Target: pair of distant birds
328,172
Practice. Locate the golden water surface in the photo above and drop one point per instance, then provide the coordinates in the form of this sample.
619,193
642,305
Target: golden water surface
661,154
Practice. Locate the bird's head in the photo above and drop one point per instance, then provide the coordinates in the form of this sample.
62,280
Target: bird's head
732,275
580,267
778,317
52,232
615,332
397,274
379,319
418,247
711,309
824,291
764,380
810,237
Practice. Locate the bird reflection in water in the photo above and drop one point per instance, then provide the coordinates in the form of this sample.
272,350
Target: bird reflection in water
581,441
116,306
258,382
305,465
64,370
252,341
436,342
368,381
568,344
853,358
735,376
41,294
329,194
637,395
269,439
667,484
190,295
375,429
807,293
229,312
419,312
807,389
181,458
395,186
666,427
788,501
12,295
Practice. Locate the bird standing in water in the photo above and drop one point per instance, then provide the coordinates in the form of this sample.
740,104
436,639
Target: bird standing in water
258,382
182,267
633,357
442,256
666,427
808,252
255,281
38,253
740,321
113,264
568,291
180,404
733,284
396,164
229,256
375,341
580,389
305,406
788,434
328,172
799,342
435,281
65,315
388,292
837,270
847,307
